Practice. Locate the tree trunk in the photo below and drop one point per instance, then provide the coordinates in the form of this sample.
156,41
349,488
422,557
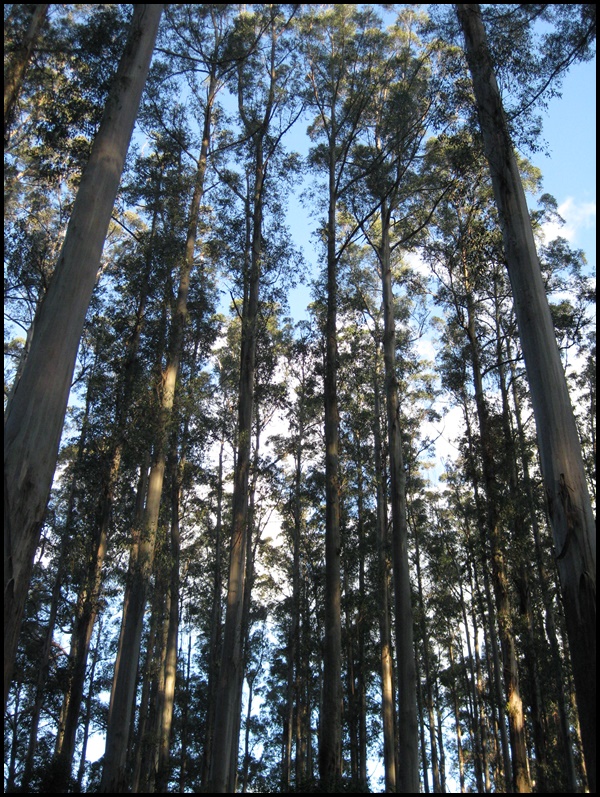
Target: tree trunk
35,416
121,716
126,666
330,738
170,675
426,660
293,649
17,64
228,693
514,704
550,623
215,628
408,727
88,709
56,594
387,684
571,514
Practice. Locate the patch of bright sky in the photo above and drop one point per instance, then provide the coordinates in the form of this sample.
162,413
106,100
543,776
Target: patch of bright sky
569,167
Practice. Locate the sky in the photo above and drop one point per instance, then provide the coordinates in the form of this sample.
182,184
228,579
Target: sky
569,169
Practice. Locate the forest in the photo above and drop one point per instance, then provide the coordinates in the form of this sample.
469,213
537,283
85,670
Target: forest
260,544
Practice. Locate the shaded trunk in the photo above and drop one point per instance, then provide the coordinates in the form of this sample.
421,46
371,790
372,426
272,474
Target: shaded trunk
457,723
293,651
408,732
60,772
215,627
35,416
330,741
88,709
428,679
571,784
170,667
385,643
570,509
514,705
88,598
228,695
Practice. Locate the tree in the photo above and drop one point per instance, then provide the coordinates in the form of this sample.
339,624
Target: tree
18,60
340,50
35,416
263,105
570,509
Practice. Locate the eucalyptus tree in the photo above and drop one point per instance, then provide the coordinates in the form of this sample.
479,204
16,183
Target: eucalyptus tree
263,85
36,413
341,48
563,471
468,255
402,193
216,64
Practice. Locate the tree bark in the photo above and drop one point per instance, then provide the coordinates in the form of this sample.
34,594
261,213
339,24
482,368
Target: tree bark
570,509
408,726
330,741
35,416
387,685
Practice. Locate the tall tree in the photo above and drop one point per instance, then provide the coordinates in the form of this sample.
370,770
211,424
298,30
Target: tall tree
262,96
34,419
569,504
126,667
340,49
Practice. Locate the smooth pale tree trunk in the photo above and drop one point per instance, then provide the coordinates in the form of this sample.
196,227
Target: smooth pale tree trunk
571,515
14,72
408,724
35,416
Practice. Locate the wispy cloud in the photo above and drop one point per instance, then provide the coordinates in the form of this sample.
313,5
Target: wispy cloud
578,216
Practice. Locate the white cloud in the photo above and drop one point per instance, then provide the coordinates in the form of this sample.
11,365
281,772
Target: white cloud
578,216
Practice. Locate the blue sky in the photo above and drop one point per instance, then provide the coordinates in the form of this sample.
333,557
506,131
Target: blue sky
569,171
